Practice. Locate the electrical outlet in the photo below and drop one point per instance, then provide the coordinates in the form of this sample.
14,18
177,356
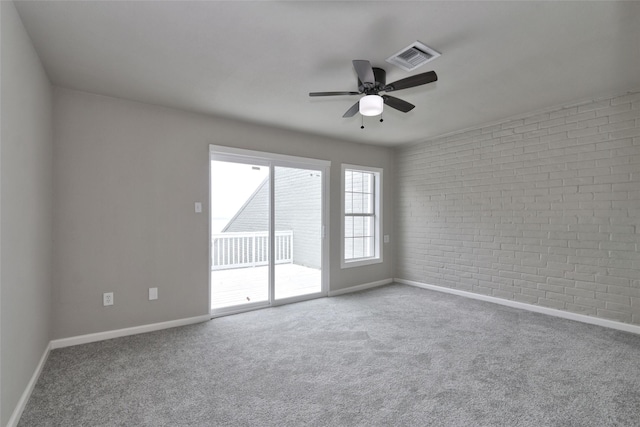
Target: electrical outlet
107,298
386,238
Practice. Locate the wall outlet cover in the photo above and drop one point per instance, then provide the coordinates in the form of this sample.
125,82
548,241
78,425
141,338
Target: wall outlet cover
107,299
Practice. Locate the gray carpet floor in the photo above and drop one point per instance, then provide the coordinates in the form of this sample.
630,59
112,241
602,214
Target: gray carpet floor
391,356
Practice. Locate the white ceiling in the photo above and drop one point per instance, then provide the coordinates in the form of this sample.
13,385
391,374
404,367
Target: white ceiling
257,61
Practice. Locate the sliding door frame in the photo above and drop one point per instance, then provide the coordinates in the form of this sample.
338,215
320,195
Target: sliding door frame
273,160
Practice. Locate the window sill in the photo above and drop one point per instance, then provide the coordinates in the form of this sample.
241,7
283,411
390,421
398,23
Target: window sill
361,262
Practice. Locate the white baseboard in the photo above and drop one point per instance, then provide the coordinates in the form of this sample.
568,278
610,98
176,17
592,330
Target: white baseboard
84,339
22,402
107,335
529,307
360,287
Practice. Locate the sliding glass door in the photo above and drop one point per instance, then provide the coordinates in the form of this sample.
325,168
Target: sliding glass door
267,229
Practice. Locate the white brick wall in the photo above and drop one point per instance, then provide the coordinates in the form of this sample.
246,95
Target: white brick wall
543,210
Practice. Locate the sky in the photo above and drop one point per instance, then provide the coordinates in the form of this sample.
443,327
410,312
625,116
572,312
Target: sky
231,186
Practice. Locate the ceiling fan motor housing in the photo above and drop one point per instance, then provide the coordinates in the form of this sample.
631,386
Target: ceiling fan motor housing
381,81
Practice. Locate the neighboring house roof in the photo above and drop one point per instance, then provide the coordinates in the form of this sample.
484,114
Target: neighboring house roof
262,189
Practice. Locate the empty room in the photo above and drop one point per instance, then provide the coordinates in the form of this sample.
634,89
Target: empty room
292,213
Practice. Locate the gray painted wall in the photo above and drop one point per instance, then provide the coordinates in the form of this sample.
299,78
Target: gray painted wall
543,210
126,175
25,214
298,207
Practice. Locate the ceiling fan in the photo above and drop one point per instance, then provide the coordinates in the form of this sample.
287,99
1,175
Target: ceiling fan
372,81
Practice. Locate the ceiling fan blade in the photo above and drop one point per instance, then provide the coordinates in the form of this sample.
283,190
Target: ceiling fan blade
397,103
332,93
353,110
364,71
417,80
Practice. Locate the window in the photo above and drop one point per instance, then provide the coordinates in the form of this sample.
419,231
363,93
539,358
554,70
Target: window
361,224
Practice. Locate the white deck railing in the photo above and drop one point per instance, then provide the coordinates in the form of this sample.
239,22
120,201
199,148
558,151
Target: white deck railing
236,250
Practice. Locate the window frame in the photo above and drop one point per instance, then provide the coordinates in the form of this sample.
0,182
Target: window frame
377,216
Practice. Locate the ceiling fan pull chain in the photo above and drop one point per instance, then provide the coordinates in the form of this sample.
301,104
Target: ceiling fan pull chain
381,120
362,117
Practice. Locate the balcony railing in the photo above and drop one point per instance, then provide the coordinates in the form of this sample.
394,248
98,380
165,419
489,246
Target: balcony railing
251,249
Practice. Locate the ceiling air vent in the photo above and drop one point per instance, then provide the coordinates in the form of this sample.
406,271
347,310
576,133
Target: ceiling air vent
413,56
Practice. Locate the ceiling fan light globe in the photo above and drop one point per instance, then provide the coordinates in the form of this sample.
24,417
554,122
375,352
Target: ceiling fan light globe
371,105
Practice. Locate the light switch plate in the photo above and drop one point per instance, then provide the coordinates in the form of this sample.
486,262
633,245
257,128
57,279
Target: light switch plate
153,293
198,206
386,238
